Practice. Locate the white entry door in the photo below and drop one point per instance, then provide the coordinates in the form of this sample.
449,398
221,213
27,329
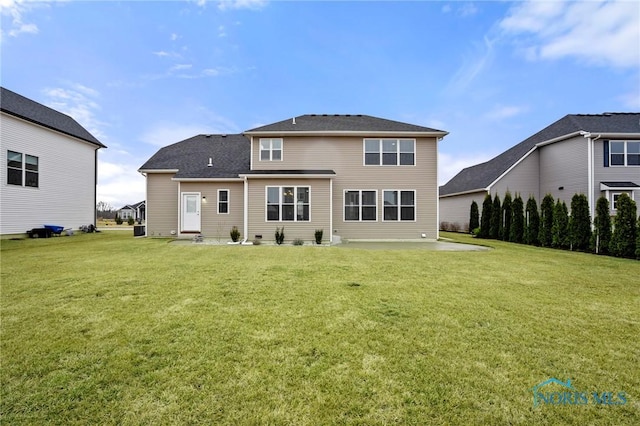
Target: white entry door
190,212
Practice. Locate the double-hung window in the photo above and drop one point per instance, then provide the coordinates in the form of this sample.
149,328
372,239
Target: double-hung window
624,153
270,149
399,205
360,205
288,203
223,201
22,169
389,152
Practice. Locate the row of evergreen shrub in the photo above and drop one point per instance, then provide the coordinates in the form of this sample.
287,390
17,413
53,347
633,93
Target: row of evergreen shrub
553,226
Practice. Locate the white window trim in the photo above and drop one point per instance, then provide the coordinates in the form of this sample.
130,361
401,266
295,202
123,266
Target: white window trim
227,202
614,193
270,149
624,155
381,153
295,203
400,205
360,191
23,170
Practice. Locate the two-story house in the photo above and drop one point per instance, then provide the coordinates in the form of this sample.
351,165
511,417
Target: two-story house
592,154
355,177
49,167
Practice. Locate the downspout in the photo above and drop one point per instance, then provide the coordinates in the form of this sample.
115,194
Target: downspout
330,211
95,188
245,212
590,172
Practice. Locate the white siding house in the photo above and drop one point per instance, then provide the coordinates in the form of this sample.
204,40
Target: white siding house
49,167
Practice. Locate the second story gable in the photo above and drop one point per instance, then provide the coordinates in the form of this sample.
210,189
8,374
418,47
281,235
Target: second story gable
325,141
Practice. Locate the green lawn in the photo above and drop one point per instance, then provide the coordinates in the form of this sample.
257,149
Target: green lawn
108,329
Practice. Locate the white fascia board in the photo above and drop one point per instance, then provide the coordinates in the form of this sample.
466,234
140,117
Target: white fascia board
288,176
512,167
158,171
207,179
471,191
617,135
349,133
560,138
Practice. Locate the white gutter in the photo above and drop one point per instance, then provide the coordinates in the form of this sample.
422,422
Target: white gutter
289,176
363,133
470,191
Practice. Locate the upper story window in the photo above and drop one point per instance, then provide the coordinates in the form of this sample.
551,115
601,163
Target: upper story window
288,203
624,153
270,149
223,201
22,169
389,152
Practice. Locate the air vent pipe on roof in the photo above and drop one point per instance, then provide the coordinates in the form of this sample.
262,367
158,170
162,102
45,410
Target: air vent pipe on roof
293,120
210,162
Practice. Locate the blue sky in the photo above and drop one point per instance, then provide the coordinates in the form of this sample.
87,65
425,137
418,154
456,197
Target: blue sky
141,75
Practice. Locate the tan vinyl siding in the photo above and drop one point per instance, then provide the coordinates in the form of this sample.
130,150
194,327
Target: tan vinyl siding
522,179
457,209
564,164
319,210
345,156
162,205
214,224
65,195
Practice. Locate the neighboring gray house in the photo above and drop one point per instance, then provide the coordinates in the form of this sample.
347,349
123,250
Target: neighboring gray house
353,176
594,155
135,211
49,167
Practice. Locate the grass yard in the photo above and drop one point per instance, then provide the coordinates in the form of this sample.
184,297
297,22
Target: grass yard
108,329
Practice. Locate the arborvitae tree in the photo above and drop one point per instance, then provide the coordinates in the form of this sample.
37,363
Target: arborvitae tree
560,227
623,241
532,229
580,223
546,220
516,233
485,221
496,218
474,217
506,217
601,236
638,239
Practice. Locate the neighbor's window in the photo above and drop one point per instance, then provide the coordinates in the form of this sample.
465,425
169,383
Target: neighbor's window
270,149
399,205
389,152
624,153
223,201
22,168
288,203
360,205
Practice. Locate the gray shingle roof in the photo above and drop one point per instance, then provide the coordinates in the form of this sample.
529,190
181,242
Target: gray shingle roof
480,176
26,109
230,156
327,123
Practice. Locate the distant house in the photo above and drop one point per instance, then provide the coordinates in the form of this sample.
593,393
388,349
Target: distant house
596,155
135,211
49,167
353,176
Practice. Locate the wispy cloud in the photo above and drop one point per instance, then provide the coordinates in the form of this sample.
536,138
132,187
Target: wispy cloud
502,112
472,67
167,133
17,9
79,102
461,9
595,32
241,4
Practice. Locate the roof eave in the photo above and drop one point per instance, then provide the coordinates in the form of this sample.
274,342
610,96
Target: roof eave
158,170
470,191
203,179
364,133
